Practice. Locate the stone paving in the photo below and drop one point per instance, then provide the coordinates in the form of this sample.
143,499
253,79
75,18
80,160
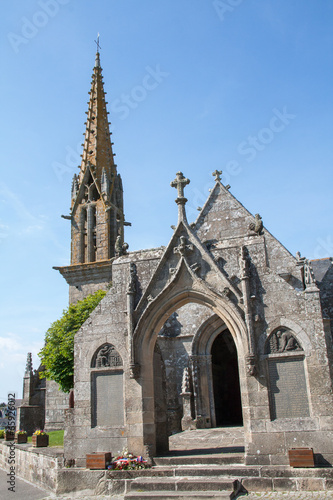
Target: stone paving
290,495
215,439
296,495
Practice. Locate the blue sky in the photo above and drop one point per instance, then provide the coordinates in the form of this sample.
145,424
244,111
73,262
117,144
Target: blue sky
242,86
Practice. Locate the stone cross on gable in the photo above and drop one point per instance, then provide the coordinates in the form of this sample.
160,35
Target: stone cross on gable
180,182
217,174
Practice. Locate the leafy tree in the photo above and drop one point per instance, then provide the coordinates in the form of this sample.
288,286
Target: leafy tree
57,355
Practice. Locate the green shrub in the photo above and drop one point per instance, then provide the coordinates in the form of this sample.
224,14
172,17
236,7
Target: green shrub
57,355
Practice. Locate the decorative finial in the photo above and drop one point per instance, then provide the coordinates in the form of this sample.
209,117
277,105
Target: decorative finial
97,61
217,175
28,366
120,247
179,183
257,225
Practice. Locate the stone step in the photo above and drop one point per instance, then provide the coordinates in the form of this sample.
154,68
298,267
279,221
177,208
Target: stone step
218,459
193,484
175,495
235,471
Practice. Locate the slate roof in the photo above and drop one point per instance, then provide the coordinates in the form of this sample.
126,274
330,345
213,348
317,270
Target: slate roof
320,267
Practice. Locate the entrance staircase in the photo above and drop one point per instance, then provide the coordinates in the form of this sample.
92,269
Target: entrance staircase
194,477
199,468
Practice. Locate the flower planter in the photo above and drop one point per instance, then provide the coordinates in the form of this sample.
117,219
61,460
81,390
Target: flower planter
21,438
41,440
9,436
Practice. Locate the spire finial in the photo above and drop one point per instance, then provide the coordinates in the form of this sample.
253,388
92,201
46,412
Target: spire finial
97,61
97,43
217,174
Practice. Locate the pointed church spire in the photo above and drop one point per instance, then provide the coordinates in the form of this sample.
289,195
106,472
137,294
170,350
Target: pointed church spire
97,208
97,193
97,149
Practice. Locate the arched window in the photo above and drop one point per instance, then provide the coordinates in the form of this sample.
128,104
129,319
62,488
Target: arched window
107,393
286,375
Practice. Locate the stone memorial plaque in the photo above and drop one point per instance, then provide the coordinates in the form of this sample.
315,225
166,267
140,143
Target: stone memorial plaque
288,391
108,399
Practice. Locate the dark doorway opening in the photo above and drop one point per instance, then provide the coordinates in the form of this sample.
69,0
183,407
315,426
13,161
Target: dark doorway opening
161,424
227,397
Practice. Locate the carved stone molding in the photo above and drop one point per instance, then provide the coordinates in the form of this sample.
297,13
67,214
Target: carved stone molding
107,357
251,365
134,370
257,225
282,340
183,248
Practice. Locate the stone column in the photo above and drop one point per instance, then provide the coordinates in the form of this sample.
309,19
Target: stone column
245,277
187,420
195,365
131,290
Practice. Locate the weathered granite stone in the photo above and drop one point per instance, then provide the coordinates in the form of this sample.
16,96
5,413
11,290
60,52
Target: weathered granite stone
224,302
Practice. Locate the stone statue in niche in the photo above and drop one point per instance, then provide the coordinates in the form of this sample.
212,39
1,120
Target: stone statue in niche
282,341
108,357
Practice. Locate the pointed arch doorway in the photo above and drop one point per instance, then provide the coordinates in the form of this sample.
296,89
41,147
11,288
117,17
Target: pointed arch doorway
225,381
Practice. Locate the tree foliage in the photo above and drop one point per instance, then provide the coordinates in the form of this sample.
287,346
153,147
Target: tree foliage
57,355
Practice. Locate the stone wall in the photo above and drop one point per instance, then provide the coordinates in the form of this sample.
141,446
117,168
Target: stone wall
45,468
107,324
56,402
32,464
249,284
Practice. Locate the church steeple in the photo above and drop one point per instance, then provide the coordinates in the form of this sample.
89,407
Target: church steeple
97,148
97,215
97,193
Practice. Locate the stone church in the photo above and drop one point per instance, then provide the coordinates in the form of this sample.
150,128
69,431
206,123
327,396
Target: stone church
222,327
